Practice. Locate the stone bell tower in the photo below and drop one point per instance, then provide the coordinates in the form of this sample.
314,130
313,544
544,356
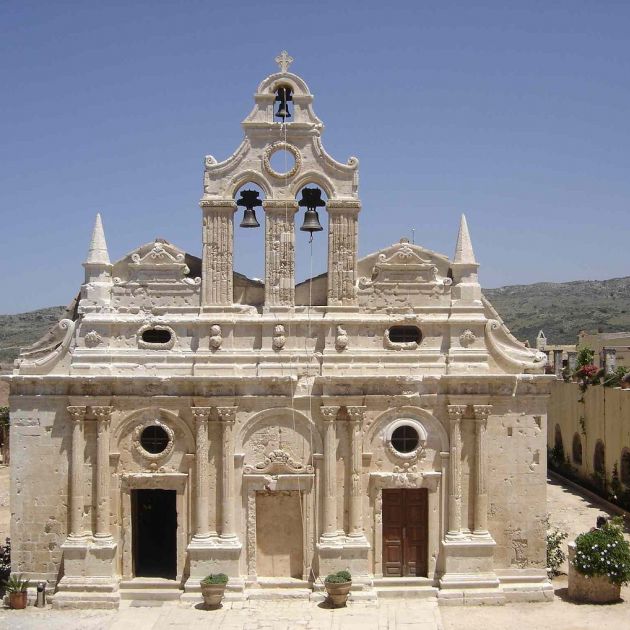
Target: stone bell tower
300,136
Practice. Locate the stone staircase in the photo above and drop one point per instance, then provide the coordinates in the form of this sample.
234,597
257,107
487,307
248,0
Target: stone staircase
150,590
273,589
407,587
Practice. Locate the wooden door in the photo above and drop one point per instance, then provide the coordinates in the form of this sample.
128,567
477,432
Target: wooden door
405,532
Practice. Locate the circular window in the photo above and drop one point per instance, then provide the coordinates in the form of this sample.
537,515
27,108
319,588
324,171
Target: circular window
154,439
405,439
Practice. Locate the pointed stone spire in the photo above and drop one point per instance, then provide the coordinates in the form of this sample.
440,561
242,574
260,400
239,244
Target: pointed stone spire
463,250
98,254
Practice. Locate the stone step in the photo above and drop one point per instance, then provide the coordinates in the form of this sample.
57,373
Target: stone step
273,582
156,583
150,594
407,592
274,594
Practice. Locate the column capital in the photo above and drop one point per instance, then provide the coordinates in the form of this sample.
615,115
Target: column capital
102,413
77,412
219,204
356,412
482,412
201,414
329,412
227,414
456,412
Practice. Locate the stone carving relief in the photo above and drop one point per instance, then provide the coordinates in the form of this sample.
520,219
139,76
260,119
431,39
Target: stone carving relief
279,337
278,462
341,339
467,338
92,339
216,339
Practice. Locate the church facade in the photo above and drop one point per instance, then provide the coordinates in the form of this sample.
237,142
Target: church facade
183,419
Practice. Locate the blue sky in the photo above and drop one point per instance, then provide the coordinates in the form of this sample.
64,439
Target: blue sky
515,113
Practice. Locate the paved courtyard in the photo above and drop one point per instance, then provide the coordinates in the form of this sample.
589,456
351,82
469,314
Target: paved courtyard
568,510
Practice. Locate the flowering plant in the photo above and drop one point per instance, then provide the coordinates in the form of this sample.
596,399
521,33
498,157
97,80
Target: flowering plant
587,371
604,552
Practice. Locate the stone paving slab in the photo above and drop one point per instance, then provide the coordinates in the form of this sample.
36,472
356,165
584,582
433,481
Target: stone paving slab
403,615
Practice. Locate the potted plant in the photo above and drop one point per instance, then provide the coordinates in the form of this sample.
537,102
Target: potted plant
16,587
599,563
338,587
213,588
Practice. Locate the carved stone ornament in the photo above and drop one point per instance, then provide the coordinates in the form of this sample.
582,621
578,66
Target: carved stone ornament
158,255
278,462
280,145
216,338
279,337
467,338
407,476
419,451
153,457
92,339
341,340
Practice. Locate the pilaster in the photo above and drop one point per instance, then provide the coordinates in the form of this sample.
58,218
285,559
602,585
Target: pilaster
481,493
103,417
329,414
455,414
280,252
227,417
202,473
356,451
218,247
342,251
77,482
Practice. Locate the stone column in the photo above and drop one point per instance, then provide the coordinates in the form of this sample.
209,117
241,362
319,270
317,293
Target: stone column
481,492
217,257
356,453
455,413
572,361
77,414
202,472
103,417
280,251
342,251
610,360
557,363
227,416
329,503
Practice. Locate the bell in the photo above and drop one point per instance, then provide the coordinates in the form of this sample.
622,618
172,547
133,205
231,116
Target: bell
249,219
311,222
283,110
283,96
249,199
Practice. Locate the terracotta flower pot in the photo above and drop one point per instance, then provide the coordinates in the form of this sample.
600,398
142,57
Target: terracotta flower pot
212,594
338,592
17,600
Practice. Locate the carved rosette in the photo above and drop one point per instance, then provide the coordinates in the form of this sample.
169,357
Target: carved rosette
92,339
279,337
341,339
216,338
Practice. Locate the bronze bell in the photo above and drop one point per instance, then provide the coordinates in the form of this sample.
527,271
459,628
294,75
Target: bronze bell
283,96
249,199
249,219
311,199
311,222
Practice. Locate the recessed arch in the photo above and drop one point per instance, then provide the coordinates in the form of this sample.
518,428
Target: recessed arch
316,178
244,177
434,428
557,439
576,449
599,458
624,471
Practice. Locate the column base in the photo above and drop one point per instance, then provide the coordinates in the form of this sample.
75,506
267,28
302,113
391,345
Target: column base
344,552
214,555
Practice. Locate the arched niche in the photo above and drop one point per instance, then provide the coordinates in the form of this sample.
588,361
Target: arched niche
431,431
281,429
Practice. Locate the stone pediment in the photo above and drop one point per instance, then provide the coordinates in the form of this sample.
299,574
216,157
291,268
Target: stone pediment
403,264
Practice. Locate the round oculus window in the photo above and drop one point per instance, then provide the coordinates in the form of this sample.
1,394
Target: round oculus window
405,439
154,439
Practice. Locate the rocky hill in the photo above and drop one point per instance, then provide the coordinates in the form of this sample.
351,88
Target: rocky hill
563,309
560,309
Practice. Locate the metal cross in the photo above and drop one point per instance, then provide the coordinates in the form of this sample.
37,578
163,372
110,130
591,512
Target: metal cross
284,60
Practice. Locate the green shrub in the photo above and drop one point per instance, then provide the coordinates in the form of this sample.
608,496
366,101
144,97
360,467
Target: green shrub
338,578
604,552
555,553
15,584
215,578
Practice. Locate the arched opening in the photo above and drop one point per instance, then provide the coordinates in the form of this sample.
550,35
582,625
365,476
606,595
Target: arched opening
625,467
576,450
599,461
249,244
311,242
283,101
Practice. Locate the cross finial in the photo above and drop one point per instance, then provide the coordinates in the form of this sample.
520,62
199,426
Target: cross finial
284,60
